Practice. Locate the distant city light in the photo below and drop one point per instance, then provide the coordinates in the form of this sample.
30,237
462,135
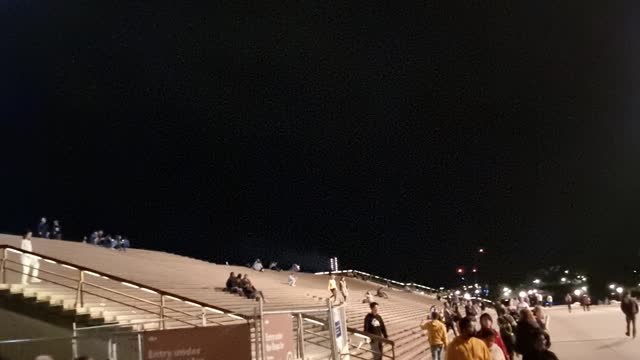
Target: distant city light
612,286
474,270
563,279
536,281
505,289
467,296
457,292
584,288
566,271
577,292
619,290
481,250
522,294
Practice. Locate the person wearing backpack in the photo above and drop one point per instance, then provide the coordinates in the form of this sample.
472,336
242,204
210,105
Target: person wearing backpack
629,307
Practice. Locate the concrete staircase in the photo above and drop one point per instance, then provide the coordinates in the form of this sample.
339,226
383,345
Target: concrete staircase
197,280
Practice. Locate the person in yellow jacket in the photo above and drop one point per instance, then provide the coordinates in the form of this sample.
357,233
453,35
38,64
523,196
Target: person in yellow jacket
465,346
437,333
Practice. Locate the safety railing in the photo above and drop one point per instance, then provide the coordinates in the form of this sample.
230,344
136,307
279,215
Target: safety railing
82,286
116,345
356,350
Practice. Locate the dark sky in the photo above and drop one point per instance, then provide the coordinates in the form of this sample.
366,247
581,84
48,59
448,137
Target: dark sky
399,139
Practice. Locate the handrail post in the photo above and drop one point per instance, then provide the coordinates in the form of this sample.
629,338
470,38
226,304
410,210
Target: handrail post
4,264
74,341
140,355
332,332
263,335
204,317
79,292
301,336
255,333
162,304
393,350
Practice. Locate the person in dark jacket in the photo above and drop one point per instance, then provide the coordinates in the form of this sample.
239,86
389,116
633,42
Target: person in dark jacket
374,325
629,307
234,285
232,282
540,348
43,229
527,333
56,231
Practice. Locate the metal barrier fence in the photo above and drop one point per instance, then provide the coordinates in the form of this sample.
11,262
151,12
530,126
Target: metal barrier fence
315,333
116,346
85,282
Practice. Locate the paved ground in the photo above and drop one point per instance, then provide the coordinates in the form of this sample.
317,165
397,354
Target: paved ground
598,334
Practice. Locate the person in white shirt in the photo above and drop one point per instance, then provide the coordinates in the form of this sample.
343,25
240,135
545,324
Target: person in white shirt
292,280
489,338
333,288
30,264
343,288
522,305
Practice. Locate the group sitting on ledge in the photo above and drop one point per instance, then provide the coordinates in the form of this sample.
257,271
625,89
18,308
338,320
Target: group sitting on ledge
243,287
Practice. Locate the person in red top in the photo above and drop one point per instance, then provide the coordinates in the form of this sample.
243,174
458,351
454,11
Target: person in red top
486,322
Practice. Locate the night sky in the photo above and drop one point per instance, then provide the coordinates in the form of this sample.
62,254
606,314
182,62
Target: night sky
400,139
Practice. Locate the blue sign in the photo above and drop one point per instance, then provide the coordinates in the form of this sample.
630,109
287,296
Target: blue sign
338,329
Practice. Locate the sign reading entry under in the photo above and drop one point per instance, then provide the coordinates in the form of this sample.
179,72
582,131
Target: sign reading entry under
229,342
279,342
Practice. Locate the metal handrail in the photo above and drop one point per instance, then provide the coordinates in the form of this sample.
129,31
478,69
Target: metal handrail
114,300
117,278
80,290
363,333
392,356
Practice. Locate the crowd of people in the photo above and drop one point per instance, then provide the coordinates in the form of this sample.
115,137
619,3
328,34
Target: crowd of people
49,232
98,237
341,287
521,331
